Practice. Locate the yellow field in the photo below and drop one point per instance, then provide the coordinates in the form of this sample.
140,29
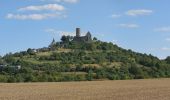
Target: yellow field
150,89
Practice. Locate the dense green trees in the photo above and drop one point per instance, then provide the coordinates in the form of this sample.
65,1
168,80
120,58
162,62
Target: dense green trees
81,61
136,71
168,59
1,61
66,38
95,39
90,75
30,51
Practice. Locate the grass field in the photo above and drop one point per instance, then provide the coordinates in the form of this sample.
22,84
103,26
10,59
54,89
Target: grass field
149,89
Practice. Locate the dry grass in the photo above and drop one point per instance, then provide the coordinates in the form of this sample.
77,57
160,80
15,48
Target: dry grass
151,89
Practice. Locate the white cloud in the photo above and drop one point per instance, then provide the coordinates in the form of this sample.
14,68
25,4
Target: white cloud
50,30
163,29
115,16
165,49
61,33
114,41
53,7
70,1
167,39
98,34
128,25
34,16
139,12
66,1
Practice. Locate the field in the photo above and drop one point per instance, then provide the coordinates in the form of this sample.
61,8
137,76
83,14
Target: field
149,89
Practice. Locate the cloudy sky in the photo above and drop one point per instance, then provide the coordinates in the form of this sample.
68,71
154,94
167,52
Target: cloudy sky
140,25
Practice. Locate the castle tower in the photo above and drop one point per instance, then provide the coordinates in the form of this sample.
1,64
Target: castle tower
78,32
53,42
89,37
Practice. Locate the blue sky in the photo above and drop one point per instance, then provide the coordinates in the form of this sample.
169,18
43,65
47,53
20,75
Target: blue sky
140,25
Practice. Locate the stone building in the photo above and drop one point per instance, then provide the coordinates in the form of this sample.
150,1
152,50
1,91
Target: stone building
79,38
52,43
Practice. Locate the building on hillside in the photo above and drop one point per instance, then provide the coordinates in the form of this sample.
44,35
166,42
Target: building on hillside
52,43
16,67
79,38
1,67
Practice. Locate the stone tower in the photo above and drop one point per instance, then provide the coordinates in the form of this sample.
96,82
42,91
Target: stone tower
78,32
79,38
88,35
52,43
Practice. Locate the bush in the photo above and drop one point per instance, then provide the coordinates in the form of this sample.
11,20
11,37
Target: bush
3,78
137,72
11,79
89,76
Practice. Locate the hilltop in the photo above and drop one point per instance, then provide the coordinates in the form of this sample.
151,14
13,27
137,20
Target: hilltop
80,58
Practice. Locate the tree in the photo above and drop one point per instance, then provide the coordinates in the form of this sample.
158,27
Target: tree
95,39
1,60
63,38
26,70
90,75
136,71
100,73
66,38
88,46
168,59
9,59
11,79
29,78
30,51
3,78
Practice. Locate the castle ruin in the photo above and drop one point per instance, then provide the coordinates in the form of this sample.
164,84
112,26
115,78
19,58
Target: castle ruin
79,38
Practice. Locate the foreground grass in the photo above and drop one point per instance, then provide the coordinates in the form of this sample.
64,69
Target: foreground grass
149,89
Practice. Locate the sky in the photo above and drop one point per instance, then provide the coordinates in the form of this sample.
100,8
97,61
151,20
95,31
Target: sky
140,25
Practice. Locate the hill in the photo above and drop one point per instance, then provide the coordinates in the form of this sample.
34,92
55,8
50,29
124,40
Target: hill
70,60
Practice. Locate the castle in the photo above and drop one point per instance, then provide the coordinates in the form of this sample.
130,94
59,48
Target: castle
79,38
